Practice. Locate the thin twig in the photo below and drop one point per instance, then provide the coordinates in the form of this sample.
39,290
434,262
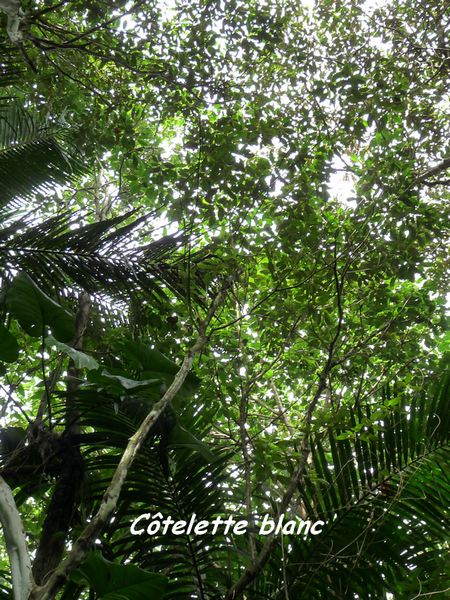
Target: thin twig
258,564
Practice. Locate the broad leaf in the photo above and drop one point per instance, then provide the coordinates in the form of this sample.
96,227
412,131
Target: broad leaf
154,364
118,383
80,359
180,437
9,348
112,581
35,310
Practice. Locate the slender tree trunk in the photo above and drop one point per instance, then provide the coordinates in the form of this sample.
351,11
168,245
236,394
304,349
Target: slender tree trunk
66,494
15,542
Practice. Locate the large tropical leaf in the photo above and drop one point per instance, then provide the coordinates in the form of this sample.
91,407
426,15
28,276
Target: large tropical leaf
382,493
34,155
58,253
113,581
35,310
176,478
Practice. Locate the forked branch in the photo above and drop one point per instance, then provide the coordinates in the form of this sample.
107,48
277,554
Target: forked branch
109,502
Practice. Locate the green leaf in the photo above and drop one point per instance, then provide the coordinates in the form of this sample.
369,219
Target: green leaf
152,361
81,359
9,348
444,342
34,310
107,380
181,438
34,153
347,435
155,366
393,402
113,581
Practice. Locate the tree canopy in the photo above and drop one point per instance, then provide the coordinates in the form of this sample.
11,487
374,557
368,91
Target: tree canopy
224,279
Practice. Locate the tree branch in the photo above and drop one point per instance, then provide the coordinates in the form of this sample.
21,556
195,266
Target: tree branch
82,545
437,182
243,434
258,564
15,14
16,545
439,168
281,410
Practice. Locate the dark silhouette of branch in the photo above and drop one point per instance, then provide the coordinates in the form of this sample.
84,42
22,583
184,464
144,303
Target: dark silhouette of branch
439,168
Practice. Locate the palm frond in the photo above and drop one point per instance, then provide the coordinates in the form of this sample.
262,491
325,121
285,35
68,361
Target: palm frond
98,257
11,65
178,485
382,495
5,590
34,155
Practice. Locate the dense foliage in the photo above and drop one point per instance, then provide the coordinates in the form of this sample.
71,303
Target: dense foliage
224,280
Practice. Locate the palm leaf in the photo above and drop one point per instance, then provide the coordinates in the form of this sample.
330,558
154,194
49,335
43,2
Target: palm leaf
34,154
5,590
101,256
11,65
383,497
183,485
